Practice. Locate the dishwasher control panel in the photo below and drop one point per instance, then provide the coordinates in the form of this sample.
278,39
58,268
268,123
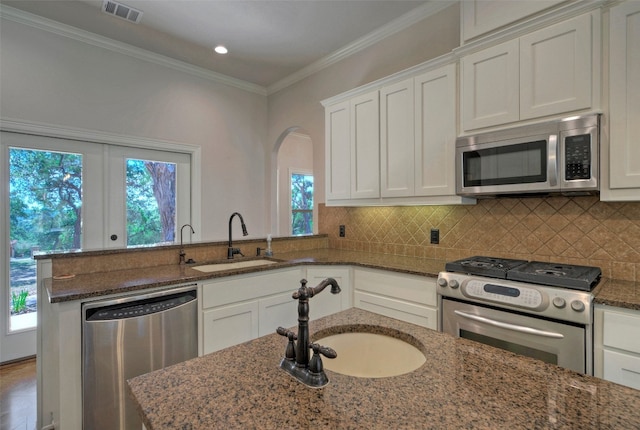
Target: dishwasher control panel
140,307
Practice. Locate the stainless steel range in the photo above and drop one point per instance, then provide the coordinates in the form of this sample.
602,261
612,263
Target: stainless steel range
541,310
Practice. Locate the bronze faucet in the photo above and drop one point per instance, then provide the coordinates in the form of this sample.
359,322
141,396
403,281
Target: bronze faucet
296,361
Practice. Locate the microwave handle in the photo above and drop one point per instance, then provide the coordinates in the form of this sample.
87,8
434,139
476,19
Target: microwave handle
552,166
518,328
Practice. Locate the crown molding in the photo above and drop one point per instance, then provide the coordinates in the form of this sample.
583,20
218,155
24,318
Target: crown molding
399,24
87,37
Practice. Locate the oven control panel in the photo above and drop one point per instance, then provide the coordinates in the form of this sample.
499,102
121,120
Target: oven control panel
521,296
553,302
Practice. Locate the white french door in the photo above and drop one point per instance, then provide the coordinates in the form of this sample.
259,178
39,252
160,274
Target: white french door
61,194
127,225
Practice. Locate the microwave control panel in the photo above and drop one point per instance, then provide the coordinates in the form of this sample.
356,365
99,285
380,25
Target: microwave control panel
577,157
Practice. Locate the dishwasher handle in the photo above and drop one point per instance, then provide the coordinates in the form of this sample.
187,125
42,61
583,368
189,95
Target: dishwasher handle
514,327
140,307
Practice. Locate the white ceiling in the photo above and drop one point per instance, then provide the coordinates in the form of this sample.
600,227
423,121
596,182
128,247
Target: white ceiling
268,40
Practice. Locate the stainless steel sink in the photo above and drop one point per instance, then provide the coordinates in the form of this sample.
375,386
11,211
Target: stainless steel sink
218,267
371,355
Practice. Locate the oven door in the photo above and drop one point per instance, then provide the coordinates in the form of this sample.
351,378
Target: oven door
515,166
553,342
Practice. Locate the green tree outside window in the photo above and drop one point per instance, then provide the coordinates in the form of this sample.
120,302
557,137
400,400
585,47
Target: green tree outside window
301,204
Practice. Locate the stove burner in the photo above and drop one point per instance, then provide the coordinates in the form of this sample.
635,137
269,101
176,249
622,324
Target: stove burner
536,272
484,266
557,275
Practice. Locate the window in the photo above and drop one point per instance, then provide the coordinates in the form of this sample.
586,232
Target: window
301,204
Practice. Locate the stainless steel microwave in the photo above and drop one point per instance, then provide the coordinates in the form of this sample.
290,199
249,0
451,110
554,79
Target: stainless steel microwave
559,156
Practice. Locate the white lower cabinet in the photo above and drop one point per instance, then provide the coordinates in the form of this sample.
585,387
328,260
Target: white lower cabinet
617,345
230,325
239,308
409,298
326,303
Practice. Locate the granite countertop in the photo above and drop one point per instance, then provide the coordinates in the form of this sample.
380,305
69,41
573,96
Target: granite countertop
463,384
85,286
611,292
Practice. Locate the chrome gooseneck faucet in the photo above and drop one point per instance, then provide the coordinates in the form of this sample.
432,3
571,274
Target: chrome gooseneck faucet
296,361
182,253
231,251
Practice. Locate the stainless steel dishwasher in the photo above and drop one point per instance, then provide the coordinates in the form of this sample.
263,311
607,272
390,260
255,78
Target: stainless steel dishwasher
127,337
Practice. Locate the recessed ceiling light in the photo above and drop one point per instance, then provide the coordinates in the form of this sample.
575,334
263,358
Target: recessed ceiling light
221,49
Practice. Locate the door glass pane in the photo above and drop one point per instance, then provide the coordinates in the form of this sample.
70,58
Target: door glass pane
151,202
301,204
45,214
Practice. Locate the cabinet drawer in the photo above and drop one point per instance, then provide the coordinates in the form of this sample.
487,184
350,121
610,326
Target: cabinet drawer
620,331
412,288
623,369
398,309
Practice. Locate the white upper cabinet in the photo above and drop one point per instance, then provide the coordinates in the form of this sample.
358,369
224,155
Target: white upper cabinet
551,71
365,146
555,68
338,151
402,139
491,86
435,132
397,139
482,16
624,105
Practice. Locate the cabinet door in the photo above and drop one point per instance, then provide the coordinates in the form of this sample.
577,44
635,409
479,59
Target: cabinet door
277,311
229,325
326,303
435,135
624,72
623,369
555,68
365,146
491,86
338,151
397,141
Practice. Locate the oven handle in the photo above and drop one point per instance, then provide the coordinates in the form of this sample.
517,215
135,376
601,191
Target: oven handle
508,326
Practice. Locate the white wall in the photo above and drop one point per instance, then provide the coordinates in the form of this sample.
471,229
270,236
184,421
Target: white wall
299,104
52,79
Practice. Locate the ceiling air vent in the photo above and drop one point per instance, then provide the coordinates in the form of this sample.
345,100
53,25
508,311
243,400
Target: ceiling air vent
121,11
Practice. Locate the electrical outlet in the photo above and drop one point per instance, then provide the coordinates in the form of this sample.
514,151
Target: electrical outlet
435,235
342,232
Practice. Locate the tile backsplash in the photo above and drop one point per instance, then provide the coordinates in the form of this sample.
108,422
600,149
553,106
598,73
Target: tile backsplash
577,230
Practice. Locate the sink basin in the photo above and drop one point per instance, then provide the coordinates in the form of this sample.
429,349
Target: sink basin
371,355
218,267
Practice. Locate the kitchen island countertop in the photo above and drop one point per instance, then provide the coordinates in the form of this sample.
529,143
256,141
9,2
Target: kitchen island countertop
463,384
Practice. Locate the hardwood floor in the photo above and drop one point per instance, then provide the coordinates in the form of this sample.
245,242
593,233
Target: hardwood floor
18,395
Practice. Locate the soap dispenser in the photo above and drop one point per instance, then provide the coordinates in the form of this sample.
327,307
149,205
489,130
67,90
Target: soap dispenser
268,252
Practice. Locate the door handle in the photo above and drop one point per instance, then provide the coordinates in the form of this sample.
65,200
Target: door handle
514,327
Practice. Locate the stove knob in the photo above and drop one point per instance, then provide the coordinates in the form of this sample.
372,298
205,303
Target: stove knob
577,306
559,302
454,284
442,282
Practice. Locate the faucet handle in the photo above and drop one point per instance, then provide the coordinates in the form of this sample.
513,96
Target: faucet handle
315,364
290,351
324,350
